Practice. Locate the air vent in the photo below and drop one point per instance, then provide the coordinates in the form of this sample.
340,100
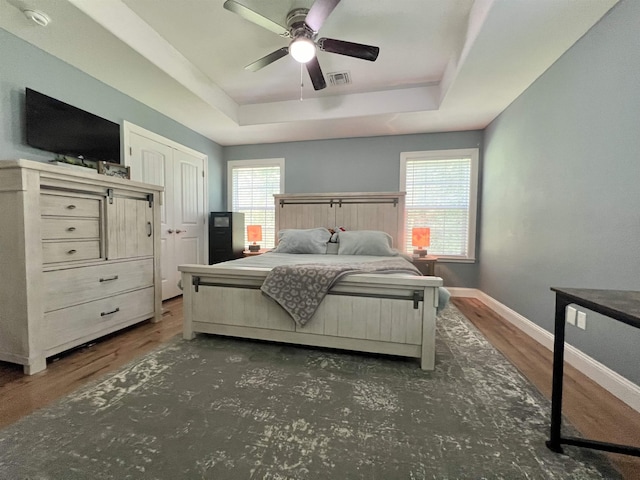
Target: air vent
339,78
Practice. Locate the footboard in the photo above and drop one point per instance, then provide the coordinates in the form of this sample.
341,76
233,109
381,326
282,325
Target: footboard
379,313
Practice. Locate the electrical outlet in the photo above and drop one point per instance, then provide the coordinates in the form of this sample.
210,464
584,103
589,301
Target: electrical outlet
582,320
571,315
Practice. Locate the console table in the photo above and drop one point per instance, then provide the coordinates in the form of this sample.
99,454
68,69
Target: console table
623,306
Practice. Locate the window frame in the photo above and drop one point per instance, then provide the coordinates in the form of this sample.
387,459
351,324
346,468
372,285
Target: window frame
263,162
473,154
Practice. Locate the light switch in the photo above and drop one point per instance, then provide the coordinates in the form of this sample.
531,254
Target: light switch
582,320
571,315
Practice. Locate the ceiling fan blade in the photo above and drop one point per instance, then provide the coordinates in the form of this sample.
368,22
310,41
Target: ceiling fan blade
357,50
319,12
315,72
266,60
255,17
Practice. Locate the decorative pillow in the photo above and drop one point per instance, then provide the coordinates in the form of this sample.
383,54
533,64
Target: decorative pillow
334,233
366,242
313,240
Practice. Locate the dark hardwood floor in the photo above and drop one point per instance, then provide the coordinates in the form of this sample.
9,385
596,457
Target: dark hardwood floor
591,409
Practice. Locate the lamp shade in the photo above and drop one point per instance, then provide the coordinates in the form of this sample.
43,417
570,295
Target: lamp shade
254,233
421,237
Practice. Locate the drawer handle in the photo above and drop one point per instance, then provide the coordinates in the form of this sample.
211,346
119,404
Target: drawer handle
71,229
149,229
104,314
108,279
71,207
72,251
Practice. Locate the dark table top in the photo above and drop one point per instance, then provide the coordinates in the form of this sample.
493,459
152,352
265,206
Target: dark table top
622,305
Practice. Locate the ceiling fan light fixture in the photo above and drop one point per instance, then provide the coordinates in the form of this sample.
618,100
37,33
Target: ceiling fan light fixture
302,49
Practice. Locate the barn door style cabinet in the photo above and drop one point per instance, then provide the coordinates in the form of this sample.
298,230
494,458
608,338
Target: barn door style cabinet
80,256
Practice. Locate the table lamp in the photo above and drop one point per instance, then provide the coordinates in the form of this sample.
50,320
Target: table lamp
420,237
254,234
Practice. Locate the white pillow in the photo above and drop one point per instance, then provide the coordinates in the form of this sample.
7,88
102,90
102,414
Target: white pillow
312,240
366,242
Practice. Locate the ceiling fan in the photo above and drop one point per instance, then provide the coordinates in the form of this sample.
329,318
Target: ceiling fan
302,28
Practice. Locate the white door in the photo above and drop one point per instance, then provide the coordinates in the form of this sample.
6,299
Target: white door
182,214
189,214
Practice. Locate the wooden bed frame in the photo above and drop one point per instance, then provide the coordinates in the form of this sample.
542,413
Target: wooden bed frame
378,313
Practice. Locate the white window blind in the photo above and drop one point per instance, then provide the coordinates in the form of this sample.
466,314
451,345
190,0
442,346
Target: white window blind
252,186
441,194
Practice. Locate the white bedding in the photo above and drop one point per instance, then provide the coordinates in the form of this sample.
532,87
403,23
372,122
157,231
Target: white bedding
299,289
271,259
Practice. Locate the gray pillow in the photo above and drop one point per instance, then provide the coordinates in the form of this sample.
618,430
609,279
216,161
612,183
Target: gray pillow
313,240
366,242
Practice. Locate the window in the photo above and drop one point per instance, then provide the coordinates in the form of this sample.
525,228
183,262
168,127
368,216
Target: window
251,185
441,191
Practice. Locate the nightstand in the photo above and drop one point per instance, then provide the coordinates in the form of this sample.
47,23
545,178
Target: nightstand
248,253
426,264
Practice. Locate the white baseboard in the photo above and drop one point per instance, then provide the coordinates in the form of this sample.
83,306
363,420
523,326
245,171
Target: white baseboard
463,292
611,381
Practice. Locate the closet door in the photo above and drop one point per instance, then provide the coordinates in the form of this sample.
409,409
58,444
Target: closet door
183,208
189,215
152,162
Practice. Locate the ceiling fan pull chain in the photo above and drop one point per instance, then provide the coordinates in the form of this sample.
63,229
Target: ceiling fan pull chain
301,81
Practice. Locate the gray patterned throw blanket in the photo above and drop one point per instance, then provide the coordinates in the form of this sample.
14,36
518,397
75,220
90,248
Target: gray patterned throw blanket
299,289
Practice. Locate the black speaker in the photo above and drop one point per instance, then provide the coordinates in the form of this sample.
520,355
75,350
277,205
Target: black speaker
226,236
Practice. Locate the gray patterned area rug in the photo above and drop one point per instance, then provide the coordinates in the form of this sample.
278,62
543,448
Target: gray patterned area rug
217,408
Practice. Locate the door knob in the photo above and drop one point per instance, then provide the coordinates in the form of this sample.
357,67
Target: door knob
170,230
181,231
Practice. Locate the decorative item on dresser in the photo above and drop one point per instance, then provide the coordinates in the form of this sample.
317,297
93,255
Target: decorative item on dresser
114,170
81,258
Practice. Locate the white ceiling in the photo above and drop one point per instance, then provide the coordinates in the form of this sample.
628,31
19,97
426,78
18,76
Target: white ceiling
444,65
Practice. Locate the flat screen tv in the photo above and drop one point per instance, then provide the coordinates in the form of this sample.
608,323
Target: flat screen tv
60,128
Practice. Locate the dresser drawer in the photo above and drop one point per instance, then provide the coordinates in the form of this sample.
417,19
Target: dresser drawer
88,320
70,228
72,251
63,288
67,206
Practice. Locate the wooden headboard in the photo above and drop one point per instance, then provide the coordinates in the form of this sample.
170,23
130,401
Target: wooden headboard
353,211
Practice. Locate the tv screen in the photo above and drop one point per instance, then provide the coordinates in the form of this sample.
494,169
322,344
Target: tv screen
60,128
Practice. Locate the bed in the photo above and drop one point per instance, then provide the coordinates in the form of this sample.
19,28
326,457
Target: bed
385,313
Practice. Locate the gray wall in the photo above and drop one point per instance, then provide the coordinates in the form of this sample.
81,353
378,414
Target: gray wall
23,65
369,164
561,202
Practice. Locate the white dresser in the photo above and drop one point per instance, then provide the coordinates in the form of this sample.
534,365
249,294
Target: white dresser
79,256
